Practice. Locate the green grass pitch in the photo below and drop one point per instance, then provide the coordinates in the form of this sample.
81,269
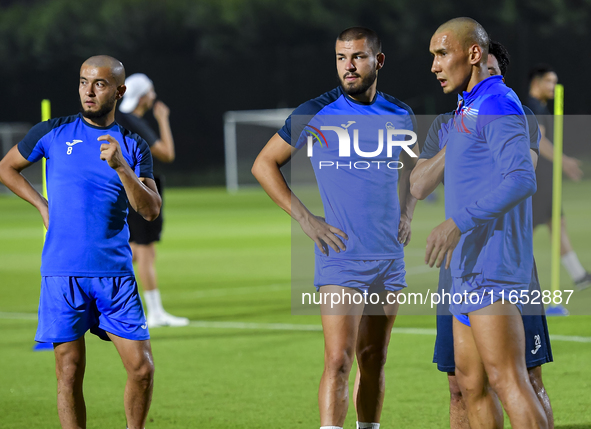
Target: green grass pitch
246,361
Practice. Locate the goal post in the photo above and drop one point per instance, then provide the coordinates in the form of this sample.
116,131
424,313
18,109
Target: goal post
245,134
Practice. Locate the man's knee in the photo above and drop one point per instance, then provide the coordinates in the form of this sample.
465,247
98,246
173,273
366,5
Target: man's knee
69,366
455,393
535,378
472,384
372,358
502,378
145,253
143,372
339,362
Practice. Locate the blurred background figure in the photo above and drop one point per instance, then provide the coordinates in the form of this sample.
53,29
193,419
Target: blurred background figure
542,81
138,100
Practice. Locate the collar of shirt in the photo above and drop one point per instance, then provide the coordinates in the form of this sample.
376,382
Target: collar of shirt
479,89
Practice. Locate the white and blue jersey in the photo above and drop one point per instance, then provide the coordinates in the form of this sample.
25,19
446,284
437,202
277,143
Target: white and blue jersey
489,179
354,149
88,234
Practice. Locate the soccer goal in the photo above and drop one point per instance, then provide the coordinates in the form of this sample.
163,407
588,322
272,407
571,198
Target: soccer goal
245,134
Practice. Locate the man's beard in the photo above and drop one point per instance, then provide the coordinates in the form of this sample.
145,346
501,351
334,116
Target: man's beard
100,113
360,87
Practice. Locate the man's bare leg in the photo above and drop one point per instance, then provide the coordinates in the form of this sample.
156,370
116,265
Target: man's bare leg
70,363
578,274
500,340
373,338
483,411
535,378
458,415
139,364
565,244
145,256
340,326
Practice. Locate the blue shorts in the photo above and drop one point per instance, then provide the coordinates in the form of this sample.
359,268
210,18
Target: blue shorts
477,292
70,306
538,350
379,275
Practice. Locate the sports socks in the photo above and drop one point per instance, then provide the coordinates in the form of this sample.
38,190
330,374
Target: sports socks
153,301
573,266
330,427
363,425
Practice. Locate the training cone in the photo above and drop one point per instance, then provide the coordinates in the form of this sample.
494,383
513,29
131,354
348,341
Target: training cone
39,347
556,310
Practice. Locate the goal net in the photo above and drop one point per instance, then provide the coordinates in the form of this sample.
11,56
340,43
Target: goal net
245,133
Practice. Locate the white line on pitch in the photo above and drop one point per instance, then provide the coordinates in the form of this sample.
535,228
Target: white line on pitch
210,293
278,287
292,327
18,316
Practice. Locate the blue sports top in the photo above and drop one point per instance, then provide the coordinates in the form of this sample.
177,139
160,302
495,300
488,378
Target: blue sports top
88,234
489,177
356,167
434,143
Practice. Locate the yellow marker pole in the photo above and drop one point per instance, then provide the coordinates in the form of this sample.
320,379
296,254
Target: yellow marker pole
45,116
557,186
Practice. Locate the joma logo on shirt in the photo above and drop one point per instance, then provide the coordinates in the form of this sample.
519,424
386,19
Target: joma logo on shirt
70,145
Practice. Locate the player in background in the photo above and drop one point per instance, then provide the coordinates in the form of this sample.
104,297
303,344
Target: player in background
94,166
425,177
359,246
487,237
138,100
542,81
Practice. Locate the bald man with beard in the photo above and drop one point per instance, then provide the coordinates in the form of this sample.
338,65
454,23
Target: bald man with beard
94,167
487,237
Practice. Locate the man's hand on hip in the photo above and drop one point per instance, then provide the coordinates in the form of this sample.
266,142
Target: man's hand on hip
323,234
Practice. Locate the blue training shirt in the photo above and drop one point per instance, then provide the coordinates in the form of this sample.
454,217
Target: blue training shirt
355,166
434,142
88,233
489,177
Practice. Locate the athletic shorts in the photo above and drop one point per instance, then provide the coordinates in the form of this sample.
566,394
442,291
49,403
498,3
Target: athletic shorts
140,230
538,350
377,275
70,306
478,292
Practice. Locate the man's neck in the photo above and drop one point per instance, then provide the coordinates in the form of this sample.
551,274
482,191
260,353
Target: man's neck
478,75
103,121
139,111
368,96
534,93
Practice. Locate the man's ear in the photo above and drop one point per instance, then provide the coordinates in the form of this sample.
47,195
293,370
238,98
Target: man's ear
380,58
475,54
120,91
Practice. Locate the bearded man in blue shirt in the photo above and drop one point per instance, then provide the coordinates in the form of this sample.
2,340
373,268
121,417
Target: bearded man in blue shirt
367,212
